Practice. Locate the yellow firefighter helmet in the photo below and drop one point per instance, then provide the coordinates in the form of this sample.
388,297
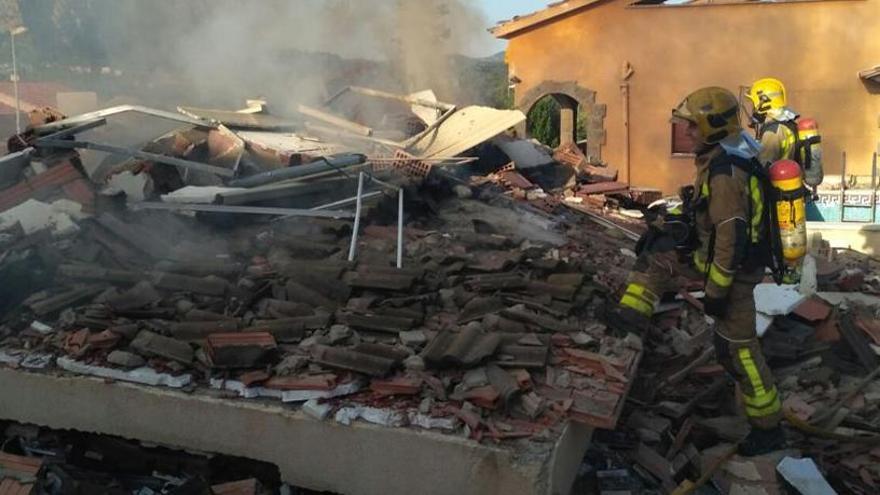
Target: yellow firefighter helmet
715,112
767,94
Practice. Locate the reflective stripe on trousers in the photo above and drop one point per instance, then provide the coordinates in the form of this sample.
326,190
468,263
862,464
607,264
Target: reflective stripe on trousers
640,299
763,402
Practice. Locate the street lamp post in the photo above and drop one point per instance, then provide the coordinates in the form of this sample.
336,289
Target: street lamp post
12,33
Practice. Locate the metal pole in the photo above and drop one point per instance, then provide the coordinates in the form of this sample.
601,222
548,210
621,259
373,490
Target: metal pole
400,228
842,186
346,201
624,93
357,218
15,86
874,188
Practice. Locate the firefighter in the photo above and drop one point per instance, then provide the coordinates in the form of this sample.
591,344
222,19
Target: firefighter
775,124
725,206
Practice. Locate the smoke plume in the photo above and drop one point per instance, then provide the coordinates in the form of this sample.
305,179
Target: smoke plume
290,51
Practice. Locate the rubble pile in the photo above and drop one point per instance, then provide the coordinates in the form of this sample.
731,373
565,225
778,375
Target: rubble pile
682,422
432,305
492,330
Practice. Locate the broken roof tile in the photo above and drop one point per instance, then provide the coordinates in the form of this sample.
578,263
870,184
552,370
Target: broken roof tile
42,185
254,377
380,281
325,381
813,309
376,323
12,463
399,385
523,356
396,354
514,179
485,396
239,350
602,188
244,487
466,347
349,359
152,344
596,408
871,327
9,486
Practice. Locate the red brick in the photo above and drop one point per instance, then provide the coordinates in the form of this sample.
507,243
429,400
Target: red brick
243,487
485,397
602,188
40,186
870,326
828,330
813,309
401,385
26,465
254,377
9,486
515,179
308,382
76,341
103,340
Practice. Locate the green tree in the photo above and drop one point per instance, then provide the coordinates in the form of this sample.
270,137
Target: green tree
543,121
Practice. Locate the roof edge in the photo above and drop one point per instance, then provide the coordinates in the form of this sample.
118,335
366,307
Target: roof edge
509,29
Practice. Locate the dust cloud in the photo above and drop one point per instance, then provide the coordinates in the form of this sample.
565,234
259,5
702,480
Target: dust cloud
220,52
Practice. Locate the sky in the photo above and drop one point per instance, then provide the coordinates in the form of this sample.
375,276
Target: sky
497,10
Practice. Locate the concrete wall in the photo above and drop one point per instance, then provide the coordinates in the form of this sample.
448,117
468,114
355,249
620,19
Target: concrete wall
360,459
816,48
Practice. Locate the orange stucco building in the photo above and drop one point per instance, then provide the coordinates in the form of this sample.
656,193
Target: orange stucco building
628,65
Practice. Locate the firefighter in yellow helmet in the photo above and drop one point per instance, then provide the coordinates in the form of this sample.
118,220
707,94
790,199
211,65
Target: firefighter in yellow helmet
724,207
775,123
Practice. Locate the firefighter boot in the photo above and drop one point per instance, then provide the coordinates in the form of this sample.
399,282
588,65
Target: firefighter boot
623,320
761,441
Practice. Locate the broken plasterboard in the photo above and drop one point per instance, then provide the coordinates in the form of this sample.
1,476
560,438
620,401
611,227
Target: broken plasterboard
463,130
523,152
804,476
774,300
428,115
36,215
134,186
144,375
286,395
287,144
762,323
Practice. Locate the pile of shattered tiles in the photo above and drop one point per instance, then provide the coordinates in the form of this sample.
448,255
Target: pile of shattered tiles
37,461
566,176
682,420
480,331
224,257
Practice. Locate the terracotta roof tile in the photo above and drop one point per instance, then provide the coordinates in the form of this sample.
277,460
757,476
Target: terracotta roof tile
20,464
42,185
9,486
243,487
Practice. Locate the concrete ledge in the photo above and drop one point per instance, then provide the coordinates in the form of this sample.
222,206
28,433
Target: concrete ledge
863,237
360,459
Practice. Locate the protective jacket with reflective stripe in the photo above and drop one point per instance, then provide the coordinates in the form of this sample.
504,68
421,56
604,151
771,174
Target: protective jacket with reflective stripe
728,209
779,141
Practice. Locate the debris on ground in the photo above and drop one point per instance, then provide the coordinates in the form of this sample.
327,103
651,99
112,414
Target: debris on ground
340,272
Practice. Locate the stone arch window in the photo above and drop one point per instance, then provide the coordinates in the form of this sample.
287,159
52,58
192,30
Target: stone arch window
570,98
